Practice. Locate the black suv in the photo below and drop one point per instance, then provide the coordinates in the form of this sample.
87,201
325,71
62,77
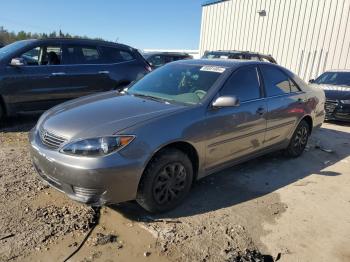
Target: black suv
336,86
38,74
246,55
157,59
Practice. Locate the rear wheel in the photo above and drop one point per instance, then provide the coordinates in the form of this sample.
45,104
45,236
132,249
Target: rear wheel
166,181
299,140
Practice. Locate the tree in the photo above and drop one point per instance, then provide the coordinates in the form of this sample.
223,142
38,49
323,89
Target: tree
7,37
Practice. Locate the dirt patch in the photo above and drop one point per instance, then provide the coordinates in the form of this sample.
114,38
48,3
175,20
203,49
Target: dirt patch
31,227
268,209
37,223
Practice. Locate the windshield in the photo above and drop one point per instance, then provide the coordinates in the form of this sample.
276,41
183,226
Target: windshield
334,78
180,83
8,49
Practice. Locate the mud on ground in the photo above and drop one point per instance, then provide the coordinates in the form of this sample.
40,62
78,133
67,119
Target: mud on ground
258,208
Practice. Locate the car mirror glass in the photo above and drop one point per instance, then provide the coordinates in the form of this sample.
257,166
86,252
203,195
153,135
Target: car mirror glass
225,101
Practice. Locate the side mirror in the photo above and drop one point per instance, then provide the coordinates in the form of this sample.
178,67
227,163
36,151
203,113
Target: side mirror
17,62
312,81
225,101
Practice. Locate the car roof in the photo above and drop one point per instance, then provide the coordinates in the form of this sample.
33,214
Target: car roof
81,41
229,63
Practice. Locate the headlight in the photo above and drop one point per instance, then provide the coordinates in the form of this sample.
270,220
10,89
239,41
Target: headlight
346,102
97,146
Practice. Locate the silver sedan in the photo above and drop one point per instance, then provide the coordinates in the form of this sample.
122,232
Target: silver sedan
180,123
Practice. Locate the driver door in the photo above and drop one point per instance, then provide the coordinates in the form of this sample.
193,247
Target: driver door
238,131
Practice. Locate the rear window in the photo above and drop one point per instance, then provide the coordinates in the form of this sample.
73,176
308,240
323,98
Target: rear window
114,55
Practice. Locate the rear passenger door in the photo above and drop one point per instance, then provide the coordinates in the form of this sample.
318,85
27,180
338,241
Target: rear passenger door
285,102
84,69
120,66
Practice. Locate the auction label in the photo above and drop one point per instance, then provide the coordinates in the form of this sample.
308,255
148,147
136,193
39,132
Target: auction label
216,69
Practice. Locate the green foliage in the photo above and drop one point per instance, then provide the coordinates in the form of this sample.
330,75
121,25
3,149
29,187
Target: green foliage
7,37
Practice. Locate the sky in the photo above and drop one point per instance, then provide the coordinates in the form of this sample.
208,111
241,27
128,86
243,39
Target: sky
144,24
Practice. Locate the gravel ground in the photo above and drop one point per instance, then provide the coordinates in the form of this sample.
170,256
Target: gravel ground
245,213
26,225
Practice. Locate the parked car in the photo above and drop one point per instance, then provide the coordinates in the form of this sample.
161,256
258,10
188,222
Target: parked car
336,85
157,59
180,123
38,74
245,55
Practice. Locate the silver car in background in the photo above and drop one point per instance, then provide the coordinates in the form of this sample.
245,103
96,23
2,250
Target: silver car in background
180,123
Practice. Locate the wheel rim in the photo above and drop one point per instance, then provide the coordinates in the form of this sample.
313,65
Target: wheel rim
301,138
169,183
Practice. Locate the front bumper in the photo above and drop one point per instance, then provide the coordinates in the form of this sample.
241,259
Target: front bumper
337,111
96,181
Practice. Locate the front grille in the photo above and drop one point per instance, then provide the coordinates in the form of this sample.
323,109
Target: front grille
330,106
51,140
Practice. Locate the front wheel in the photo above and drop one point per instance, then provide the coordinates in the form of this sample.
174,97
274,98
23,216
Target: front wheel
299,140
166,181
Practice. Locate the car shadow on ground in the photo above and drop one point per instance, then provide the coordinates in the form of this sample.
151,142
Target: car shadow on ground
22,123
255,178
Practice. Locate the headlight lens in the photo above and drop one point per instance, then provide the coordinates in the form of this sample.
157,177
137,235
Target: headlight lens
100,146
346,102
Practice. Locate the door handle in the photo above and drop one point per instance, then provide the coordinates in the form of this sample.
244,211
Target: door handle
58,74
260,111
103,72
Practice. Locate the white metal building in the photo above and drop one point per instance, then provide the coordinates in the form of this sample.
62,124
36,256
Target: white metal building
306,36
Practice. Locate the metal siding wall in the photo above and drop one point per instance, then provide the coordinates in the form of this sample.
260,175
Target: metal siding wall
307,37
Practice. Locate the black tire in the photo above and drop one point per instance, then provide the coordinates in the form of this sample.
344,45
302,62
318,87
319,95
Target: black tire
166,181
299,140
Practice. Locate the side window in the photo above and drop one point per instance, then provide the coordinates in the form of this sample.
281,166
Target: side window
293,86
156,60
81,55
126,56
51,55
112,55
276,82
90,54
244,84
44,55
31,57
253,57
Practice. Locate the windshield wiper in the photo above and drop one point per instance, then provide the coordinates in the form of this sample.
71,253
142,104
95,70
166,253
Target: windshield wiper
149,97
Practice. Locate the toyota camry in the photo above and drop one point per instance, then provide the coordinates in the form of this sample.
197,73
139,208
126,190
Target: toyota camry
178,124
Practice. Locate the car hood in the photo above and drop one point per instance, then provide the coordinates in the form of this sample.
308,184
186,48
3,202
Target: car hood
102,115
334,92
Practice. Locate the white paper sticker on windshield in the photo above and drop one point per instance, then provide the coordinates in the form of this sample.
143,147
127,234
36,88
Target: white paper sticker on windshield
216,69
